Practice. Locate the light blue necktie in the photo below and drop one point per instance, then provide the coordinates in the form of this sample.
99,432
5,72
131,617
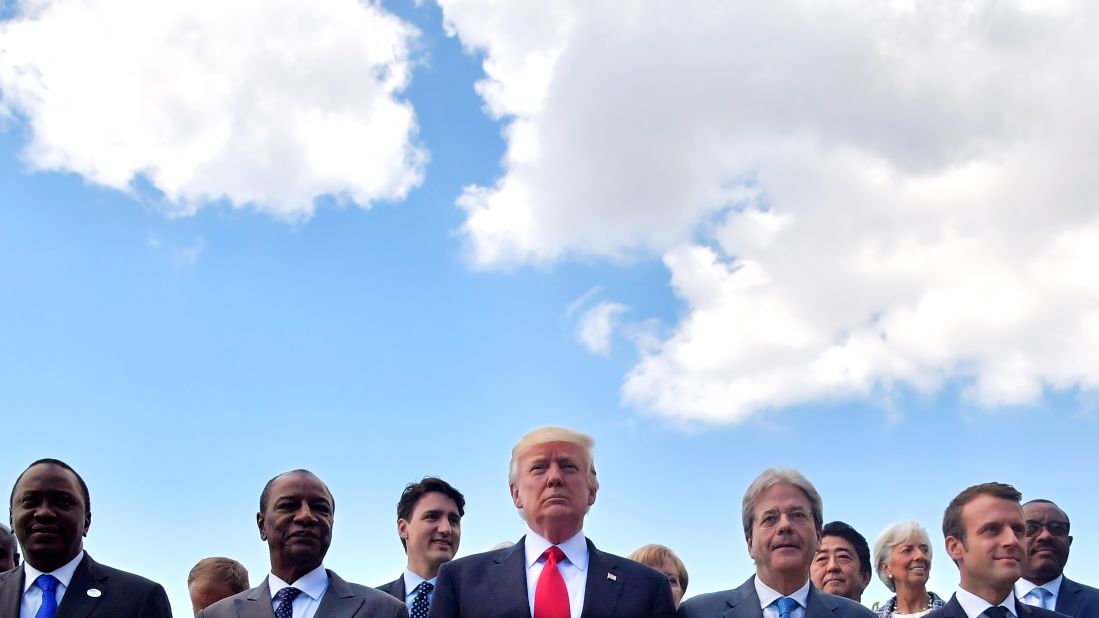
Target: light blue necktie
786,606
48,584
1038,597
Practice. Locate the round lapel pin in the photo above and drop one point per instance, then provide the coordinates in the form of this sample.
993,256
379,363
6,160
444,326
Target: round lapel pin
94,593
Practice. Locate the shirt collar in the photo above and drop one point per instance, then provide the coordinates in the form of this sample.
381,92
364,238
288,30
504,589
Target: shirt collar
575,548
1023,587
975,605
768,595
313,583
63,574
411,580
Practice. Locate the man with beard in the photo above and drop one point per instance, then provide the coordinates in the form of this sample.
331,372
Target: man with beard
1047,545
295,519
782,514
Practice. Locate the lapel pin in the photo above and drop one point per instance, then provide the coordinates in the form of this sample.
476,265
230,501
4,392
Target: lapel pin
94,593
612,577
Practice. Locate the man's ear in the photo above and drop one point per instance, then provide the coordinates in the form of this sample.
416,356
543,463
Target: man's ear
515,496
955,548
259,522
87,521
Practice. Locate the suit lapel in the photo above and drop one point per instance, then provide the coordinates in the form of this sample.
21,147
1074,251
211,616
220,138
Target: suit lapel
11,592
257,603
509,580
818,605
1067,598
398,588
743,602
953,609
86,588
339,601
604,584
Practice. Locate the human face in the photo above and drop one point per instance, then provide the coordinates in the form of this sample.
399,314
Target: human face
205,592
670,571
431,534
9,551
991,557
49,516
783,551
836,568
297,524
553,489
1046,553
909,564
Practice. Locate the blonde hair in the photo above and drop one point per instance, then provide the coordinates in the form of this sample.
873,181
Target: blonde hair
654,555
546,435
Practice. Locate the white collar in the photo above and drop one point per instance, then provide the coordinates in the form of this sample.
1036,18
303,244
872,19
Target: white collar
411,580
1023,587
313,583
63,574
975,605
768,595
575,548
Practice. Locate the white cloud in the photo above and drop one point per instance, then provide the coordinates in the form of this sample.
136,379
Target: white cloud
263,102
188,255
597,325
850,195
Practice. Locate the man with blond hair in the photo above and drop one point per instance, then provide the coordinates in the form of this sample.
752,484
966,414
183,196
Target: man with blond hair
214,579
554,571
782,514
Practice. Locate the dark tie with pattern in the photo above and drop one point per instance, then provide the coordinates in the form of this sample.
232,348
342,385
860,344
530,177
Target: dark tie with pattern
420,604
48,584
996,612
285,597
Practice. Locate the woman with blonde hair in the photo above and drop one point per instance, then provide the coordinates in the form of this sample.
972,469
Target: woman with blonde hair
664,560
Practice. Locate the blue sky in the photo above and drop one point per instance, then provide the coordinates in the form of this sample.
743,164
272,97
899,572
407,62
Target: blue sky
885,288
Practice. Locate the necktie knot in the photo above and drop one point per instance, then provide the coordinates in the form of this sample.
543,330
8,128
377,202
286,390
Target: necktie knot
46,582
420,604
1038,597
996,612
285,597
786,606
554,554
424,588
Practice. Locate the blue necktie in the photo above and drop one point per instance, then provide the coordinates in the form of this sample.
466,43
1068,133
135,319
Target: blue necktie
1037,597
286,598
419,604
996,612
48,584
786,606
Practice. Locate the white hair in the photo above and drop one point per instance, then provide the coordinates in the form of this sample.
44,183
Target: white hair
897,533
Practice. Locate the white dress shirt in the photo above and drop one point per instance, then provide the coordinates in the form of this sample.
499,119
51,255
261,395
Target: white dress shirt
1053,587
32,595
975,606
411,580
312,585
767,597
573,569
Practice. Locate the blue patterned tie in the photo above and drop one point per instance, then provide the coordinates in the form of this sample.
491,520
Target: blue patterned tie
419,604
786,606
48,584
1037,597
286,598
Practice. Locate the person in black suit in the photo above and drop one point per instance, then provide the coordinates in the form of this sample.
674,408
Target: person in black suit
9,549
554,571
50,512
1047,544
429,524
984,530
782,515
295,517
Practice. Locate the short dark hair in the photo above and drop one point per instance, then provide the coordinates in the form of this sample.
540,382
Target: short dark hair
7,534
225,570
61,464
1050,502
852,536
267,488
952,517
412,493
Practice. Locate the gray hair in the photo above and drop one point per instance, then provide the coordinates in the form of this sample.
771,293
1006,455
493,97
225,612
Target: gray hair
780,476
897,533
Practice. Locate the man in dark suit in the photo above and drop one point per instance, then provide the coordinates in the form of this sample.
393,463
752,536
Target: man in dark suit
9,549
50,511
984,530
842,565
295,519
782,515
553,571
1043,583
429,524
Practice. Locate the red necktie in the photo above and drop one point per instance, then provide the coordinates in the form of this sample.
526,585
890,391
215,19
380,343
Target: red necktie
551,597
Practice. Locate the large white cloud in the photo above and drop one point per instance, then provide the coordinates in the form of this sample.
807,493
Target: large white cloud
263,102
850,195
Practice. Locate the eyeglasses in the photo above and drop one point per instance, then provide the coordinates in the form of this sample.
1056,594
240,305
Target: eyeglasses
1056,528
770,519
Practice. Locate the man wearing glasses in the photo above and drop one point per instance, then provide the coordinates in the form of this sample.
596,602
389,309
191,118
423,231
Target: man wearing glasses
1047,543
782,516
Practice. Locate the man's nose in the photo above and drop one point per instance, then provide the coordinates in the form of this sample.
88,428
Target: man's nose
305,514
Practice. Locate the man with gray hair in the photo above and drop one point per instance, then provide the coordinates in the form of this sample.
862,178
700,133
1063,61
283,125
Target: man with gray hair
782,514
9,549
554,571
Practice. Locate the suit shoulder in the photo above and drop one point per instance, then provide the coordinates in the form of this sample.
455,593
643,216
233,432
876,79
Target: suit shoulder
1088,590
132,580
707,602
853,609
474,562
374,594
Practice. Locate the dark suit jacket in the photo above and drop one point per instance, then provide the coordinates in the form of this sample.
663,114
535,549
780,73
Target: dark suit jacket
954,609
743,602
494,585
1077,600
341,600
122,594
395,588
